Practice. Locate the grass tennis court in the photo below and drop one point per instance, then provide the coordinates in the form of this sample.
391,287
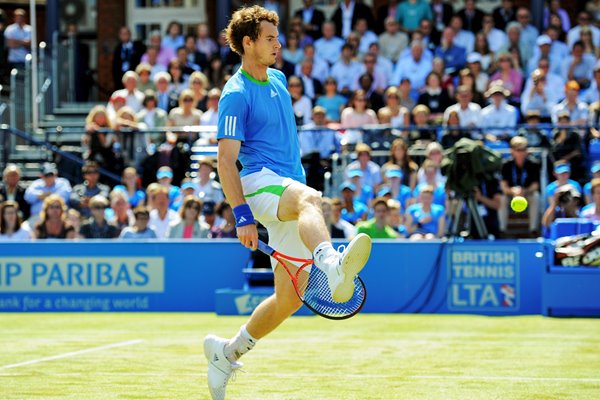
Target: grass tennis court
159,356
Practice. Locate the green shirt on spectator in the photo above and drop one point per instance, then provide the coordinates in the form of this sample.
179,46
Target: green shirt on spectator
370,228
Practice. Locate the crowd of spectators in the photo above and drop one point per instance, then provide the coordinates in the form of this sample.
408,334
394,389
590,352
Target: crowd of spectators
411,77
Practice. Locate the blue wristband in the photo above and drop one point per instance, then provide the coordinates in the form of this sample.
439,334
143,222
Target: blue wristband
243,215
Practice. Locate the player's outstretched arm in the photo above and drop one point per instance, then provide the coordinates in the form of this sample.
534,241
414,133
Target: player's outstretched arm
232,187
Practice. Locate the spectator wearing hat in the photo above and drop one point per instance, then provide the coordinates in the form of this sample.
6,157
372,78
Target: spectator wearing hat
564,203
371,171
208,189
18,40
83,192
145,82
537,98
164,176
209,215
562,173
425,219
364,193
11,189
140,229
161,215
97,227
189,225
378,227
543,51
397,190
587,188
520,177
226,228
579,66
592,209
499,119
49,183
576,109
353,210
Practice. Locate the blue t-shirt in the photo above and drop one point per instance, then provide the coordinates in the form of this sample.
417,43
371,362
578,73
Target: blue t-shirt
360,209
333,106
439,194
260,115
416,212
551,189
138,195
587,190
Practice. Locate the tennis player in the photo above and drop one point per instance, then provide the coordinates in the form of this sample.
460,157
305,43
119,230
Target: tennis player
257,125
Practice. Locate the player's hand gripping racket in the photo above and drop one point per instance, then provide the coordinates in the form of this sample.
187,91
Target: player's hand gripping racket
312,288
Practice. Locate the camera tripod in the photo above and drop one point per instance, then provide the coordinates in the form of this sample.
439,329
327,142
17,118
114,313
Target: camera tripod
471,217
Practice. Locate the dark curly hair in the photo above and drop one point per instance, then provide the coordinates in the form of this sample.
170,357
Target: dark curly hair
246,22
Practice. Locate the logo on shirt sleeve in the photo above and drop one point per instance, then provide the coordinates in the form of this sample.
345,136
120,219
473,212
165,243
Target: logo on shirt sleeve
273,93
230,123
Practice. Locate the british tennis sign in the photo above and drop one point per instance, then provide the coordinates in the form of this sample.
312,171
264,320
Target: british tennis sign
483,278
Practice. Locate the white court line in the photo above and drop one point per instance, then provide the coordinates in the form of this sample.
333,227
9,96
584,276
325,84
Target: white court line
73,353
350,376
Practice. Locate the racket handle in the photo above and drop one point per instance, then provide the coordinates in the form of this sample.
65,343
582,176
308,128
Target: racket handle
265,248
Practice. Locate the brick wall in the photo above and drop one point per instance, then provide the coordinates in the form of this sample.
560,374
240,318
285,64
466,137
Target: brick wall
111,16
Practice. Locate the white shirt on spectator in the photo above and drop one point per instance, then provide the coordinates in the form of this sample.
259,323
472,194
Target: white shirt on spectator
380,83
386,66
320,69
24,233
466,40
371,174
529,35
61,187
468,117
554,90
504,117
580,112
583,70
497,40
317,139
365,41
344,73
16,32
574,35
329,49
303,107
161,226
415,71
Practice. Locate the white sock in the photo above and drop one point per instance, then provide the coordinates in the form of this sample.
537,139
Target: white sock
322,251
242,343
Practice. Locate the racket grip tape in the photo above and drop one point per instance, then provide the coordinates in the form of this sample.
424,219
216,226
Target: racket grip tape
265,248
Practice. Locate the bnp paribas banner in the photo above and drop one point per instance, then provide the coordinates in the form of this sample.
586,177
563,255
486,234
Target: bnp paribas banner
108,276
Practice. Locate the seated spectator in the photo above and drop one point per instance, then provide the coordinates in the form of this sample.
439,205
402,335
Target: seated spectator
404,95
537,98
98,139
320,68
463,38
475,77
564,203
357,115
161,216
83,192
422,132
173,38
204,43
584,21
400,157
164,176
12,189
130,185
189,226
210,117
378,227
397,190
577,110
396,218
400,116
317,144
589,48
186,67
133,96
567,146
454,57
562,174
311,85
119,214
75,220
364,193
186,114
591,97
434,97
12,226
339,228
345,69
164,54
488,198
499,119
352,209
435,153
140,229
453,131
371,171
145,81
48,184
199,86
425,220
592,210
207,188
131,136
430,172
332,101
587,188
536,135
209,215
366,83
468,112
292,53
496,37
300,103
166,95
509,76
287,68
193,56
414,68
226,229
579,66
52,223
152,61
393,41
97,227
152,117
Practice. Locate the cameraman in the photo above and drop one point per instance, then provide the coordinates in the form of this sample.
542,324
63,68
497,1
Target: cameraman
564,204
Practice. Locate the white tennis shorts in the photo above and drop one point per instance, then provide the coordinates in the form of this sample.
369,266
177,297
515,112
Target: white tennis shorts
263,192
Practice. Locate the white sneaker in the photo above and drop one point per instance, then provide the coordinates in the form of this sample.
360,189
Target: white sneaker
342,269
219,367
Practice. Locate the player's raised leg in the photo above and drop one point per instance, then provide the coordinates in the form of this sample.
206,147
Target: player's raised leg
302,203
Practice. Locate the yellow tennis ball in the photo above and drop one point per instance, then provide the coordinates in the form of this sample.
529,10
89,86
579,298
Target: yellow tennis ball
518,204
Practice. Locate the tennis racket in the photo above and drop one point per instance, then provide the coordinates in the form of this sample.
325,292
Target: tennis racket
312,288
